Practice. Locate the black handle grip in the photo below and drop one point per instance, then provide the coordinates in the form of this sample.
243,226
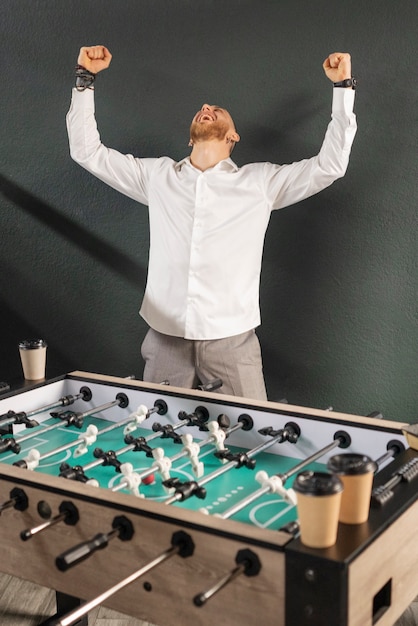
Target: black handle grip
82,551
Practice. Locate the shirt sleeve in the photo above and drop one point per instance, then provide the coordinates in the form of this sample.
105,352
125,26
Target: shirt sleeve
288,184
123,172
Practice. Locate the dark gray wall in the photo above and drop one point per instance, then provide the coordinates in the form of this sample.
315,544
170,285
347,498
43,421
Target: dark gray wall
339,282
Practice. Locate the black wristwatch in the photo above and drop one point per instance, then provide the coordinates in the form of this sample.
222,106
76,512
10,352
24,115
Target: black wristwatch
348,82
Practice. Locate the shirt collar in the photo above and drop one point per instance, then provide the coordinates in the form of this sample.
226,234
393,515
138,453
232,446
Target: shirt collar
226,165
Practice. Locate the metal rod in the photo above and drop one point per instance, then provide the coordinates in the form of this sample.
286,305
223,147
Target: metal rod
30,532
263,490
201,598
176,457
130,447
228,466
102,407
310,459
124,450
152,468
61,402
67,446
42,431
7,505
75,615
48,407
388,455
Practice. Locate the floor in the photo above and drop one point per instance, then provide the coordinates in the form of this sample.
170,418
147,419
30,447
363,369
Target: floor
26,604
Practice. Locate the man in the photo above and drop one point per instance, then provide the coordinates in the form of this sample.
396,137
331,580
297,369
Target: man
208,220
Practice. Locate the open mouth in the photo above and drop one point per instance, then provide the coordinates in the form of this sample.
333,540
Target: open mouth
206,117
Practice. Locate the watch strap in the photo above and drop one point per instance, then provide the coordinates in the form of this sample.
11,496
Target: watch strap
348,82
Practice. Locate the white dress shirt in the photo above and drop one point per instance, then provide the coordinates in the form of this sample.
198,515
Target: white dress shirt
207,228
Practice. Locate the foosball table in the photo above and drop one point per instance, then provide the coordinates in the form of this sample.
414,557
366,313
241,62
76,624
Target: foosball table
177,506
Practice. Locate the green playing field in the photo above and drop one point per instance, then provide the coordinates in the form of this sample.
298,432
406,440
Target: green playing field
268,511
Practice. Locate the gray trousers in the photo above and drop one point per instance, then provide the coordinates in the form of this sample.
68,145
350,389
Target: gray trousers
188,363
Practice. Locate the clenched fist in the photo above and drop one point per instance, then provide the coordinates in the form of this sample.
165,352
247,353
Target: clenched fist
337,66
94,58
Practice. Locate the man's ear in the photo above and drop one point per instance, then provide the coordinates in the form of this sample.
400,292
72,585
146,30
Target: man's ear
233,137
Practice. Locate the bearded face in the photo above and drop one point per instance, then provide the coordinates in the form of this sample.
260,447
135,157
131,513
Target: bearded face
211,122
205,132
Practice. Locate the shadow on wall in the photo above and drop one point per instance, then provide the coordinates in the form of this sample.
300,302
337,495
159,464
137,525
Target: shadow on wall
14,326
104,252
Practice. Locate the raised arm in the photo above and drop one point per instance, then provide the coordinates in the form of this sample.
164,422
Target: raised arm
288,184
123,172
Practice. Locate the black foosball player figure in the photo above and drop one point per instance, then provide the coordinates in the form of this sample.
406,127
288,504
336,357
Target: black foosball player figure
208,219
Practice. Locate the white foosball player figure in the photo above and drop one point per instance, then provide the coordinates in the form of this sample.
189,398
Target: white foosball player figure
32,460
137,417
131,479
87,439
163,465
218,435
193,449
275,485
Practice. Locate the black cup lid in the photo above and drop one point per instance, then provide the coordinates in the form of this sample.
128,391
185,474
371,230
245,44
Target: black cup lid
31,344
351,463
317,483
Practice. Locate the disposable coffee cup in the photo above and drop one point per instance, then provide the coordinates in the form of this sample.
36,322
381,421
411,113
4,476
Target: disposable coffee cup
318,504
33,357
356,472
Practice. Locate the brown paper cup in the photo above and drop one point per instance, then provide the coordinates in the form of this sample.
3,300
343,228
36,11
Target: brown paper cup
356,472
33,358
318,503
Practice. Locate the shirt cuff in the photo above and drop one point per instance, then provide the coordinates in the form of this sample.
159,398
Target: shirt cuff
343,99
84,98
